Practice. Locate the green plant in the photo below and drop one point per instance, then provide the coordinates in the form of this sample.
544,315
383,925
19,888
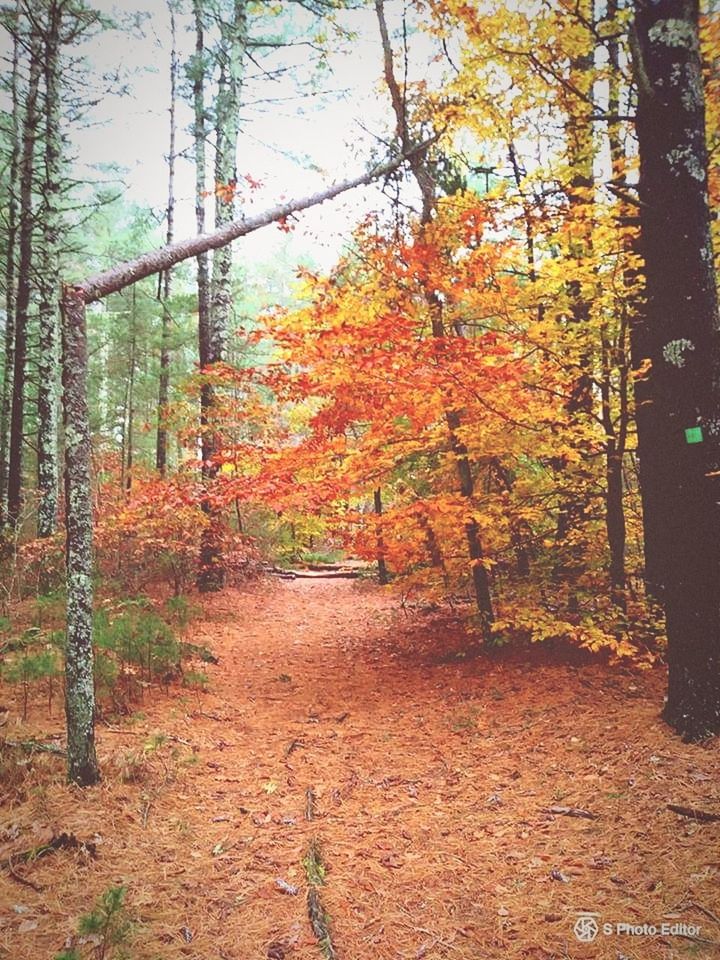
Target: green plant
141,645
181,610
34,660
107,929
196,680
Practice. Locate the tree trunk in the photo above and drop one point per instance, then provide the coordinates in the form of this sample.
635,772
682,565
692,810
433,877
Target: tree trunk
164,379
128,428
22,305
616,428
569,536
681,431
383,577
10,255
79,687
213,339
49,341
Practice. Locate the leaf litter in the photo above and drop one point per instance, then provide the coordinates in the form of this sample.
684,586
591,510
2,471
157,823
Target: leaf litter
447,795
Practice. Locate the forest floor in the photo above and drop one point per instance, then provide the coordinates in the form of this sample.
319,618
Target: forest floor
432,778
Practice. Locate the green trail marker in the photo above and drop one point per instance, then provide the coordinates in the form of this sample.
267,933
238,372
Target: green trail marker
693,435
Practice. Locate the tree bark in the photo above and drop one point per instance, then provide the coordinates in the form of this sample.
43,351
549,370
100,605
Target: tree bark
129,425
22,305
49,340
164,378
213,337
10,278
383,577
681,429
79,687
616,428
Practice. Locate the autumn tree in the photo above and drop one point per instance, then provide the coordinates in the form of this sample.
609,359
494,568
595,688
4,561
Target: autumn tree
428,188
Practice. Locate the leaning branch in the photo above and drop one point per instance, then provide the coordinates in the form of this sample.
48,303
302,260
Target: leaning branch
156,261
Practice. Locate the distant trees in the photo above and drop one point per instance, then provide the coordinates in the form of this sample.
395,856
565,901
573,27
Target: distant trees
38,192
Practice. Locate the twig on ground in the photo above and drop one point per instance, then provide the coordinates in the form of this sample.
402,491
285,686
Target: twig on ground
694,813
572,812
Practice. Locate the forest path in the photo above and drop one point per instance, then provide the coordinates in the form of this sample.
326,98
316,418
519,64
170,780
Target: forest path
432,778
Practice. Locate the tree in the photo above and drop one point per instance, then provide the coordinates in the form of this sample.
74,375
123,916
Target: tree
428,190
24,288
213,326
49,334
680,430
10,258
164,293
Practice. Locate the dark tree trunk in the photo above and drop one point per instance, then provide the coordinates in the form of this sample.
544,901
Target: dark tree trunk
211,572
79,686
427,186
164,378
681,429
570,538
22,304
383,577
129,426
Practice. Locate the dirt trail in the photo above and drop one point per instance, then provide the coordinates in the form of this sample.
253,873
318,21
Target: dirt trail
433,776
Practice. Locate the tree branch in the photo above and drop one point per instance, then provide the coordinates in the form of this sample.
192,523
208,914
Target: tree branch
111,281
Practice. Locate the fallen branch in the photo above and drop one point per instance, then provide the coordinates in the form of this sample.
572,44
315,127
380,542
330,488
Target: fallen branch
708,913
319,921
63,841
279,572
572,812
32,745
123,274
694,813
318,575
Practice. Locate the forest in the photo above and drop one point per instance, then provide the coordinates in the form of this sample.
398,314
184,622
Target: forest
359,479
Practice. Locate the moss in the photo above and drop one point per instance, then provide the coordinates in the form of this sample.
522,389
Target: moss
673,352
673,33
683,159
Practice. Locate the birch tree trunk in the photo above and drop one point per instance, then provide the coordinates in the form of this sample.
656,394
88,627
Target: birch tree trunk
79,682
680,431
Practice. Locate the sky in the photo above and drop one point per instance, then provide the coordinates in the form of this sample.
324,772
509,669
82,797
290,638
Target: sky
293,145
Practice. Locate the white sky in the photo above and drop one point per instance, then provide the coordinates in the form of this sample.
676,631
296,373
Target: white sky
325,132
